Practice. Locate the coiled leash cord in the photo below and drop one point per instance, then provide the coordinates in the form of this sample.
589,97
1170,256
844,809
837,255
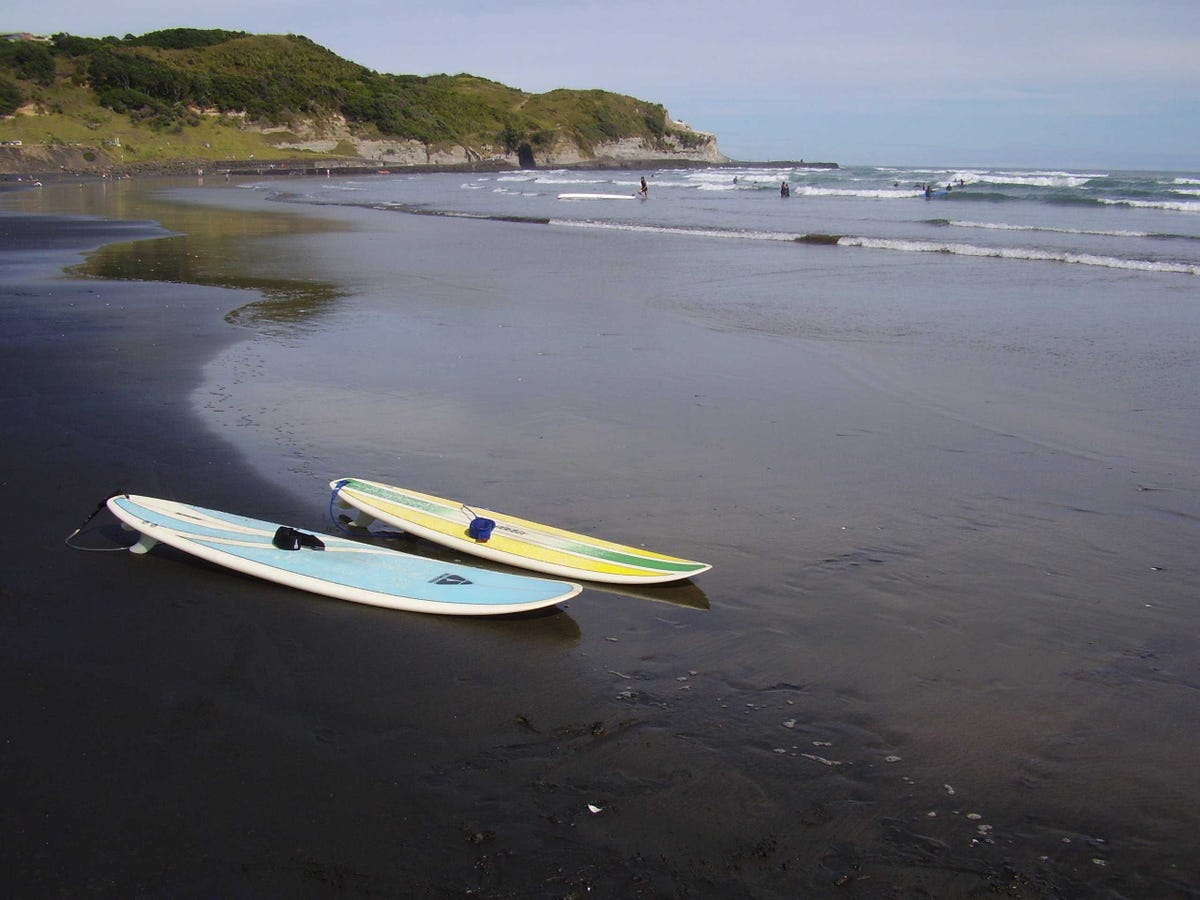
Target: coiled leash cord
102,505
480,528
337,521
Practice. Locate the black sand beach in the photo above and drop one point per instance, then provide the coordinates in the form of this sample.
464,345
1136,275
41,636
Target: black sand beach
140,758
991,696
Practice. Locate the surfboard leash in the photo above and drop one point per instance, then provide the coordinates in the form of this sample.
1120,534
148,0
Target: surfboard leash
350,532
102,505
480,528
333,517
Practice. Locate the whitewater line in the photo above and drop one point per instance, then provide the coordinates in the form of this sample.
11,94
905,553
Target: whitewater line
1083,259
904,246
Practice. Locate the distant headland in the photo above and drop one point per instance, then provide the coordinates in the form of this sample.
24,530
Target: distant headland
189,100
185,99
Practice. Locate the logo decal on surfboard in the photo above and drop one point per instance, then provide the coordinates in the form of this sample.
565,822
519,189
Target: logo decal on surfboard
450,578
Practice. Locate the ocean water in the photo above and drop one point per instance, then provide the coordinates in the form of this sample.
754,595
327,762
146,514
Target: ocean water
1059,306
1144,221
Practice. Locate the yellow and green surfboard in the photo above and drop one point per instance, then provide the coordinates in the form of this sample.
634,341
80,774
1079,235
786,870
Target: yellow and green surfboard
509,540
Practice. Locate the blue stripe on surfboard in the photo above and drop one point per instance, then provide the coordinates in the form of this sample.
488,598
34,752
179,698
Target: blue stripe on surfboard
352,564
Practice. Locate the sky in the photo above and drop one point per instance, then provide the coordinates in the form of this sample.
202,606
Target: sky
1048,84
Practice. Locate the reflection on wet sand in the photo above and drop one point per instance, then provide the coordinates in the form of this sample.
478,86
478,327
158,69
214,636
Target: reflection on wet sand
687,594
205,245
679,593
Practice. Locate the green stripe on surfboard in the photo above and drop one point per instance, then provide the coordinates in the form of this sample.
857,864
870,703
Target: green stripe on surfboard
556,541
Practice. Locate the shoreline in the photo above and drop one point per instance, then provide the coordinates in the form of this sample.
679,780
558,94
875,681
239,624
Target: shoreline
161,749
294,166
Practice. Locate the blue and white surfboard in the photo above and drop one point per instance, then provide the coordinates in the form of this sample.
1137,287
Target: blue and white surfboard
339,568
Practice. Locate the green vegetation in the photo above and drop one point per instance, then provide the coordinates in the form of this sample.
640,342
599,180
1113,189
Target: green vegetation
28,61
592,117
10,97
182,79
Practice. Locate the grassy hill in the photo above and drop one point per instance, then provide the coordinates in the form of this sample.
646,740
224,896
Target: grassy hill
217,95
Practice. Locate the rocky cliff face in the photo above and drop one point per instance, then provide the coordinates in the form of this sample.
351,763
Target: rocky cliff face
700,147
332,144
48,159
632,150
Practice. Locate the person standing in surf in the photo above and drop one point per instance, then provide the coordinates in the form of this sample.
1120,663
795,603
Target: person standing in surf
644,190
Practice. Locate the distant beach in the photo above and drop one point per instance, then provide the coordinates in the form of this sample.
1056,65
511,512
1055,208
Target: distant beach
948,646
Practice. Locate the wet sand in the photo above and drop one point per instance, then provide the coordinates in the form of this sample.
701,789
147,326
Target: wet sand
995,693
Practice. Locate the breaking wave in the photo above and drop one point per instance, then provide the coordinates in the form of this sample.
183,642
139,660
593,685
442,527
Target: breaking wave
904,246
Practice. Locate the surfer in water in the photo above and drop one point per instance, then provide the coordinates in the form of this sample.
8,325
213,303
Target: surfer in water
644,190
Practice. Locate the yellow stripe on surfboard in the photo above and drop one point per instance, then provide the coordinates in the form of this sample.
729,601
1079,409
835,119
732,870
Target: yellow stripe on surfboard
534,544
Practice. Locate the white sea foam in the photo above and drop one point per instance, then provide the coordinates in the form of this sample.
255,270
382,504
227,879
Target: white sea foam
724,181
1186,181
933,177
636,183
865,193
715,177
568,179
1037,179
690,232
1002,226
1033,178
739,174
1016,253
1188,206
908,246
1186,192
